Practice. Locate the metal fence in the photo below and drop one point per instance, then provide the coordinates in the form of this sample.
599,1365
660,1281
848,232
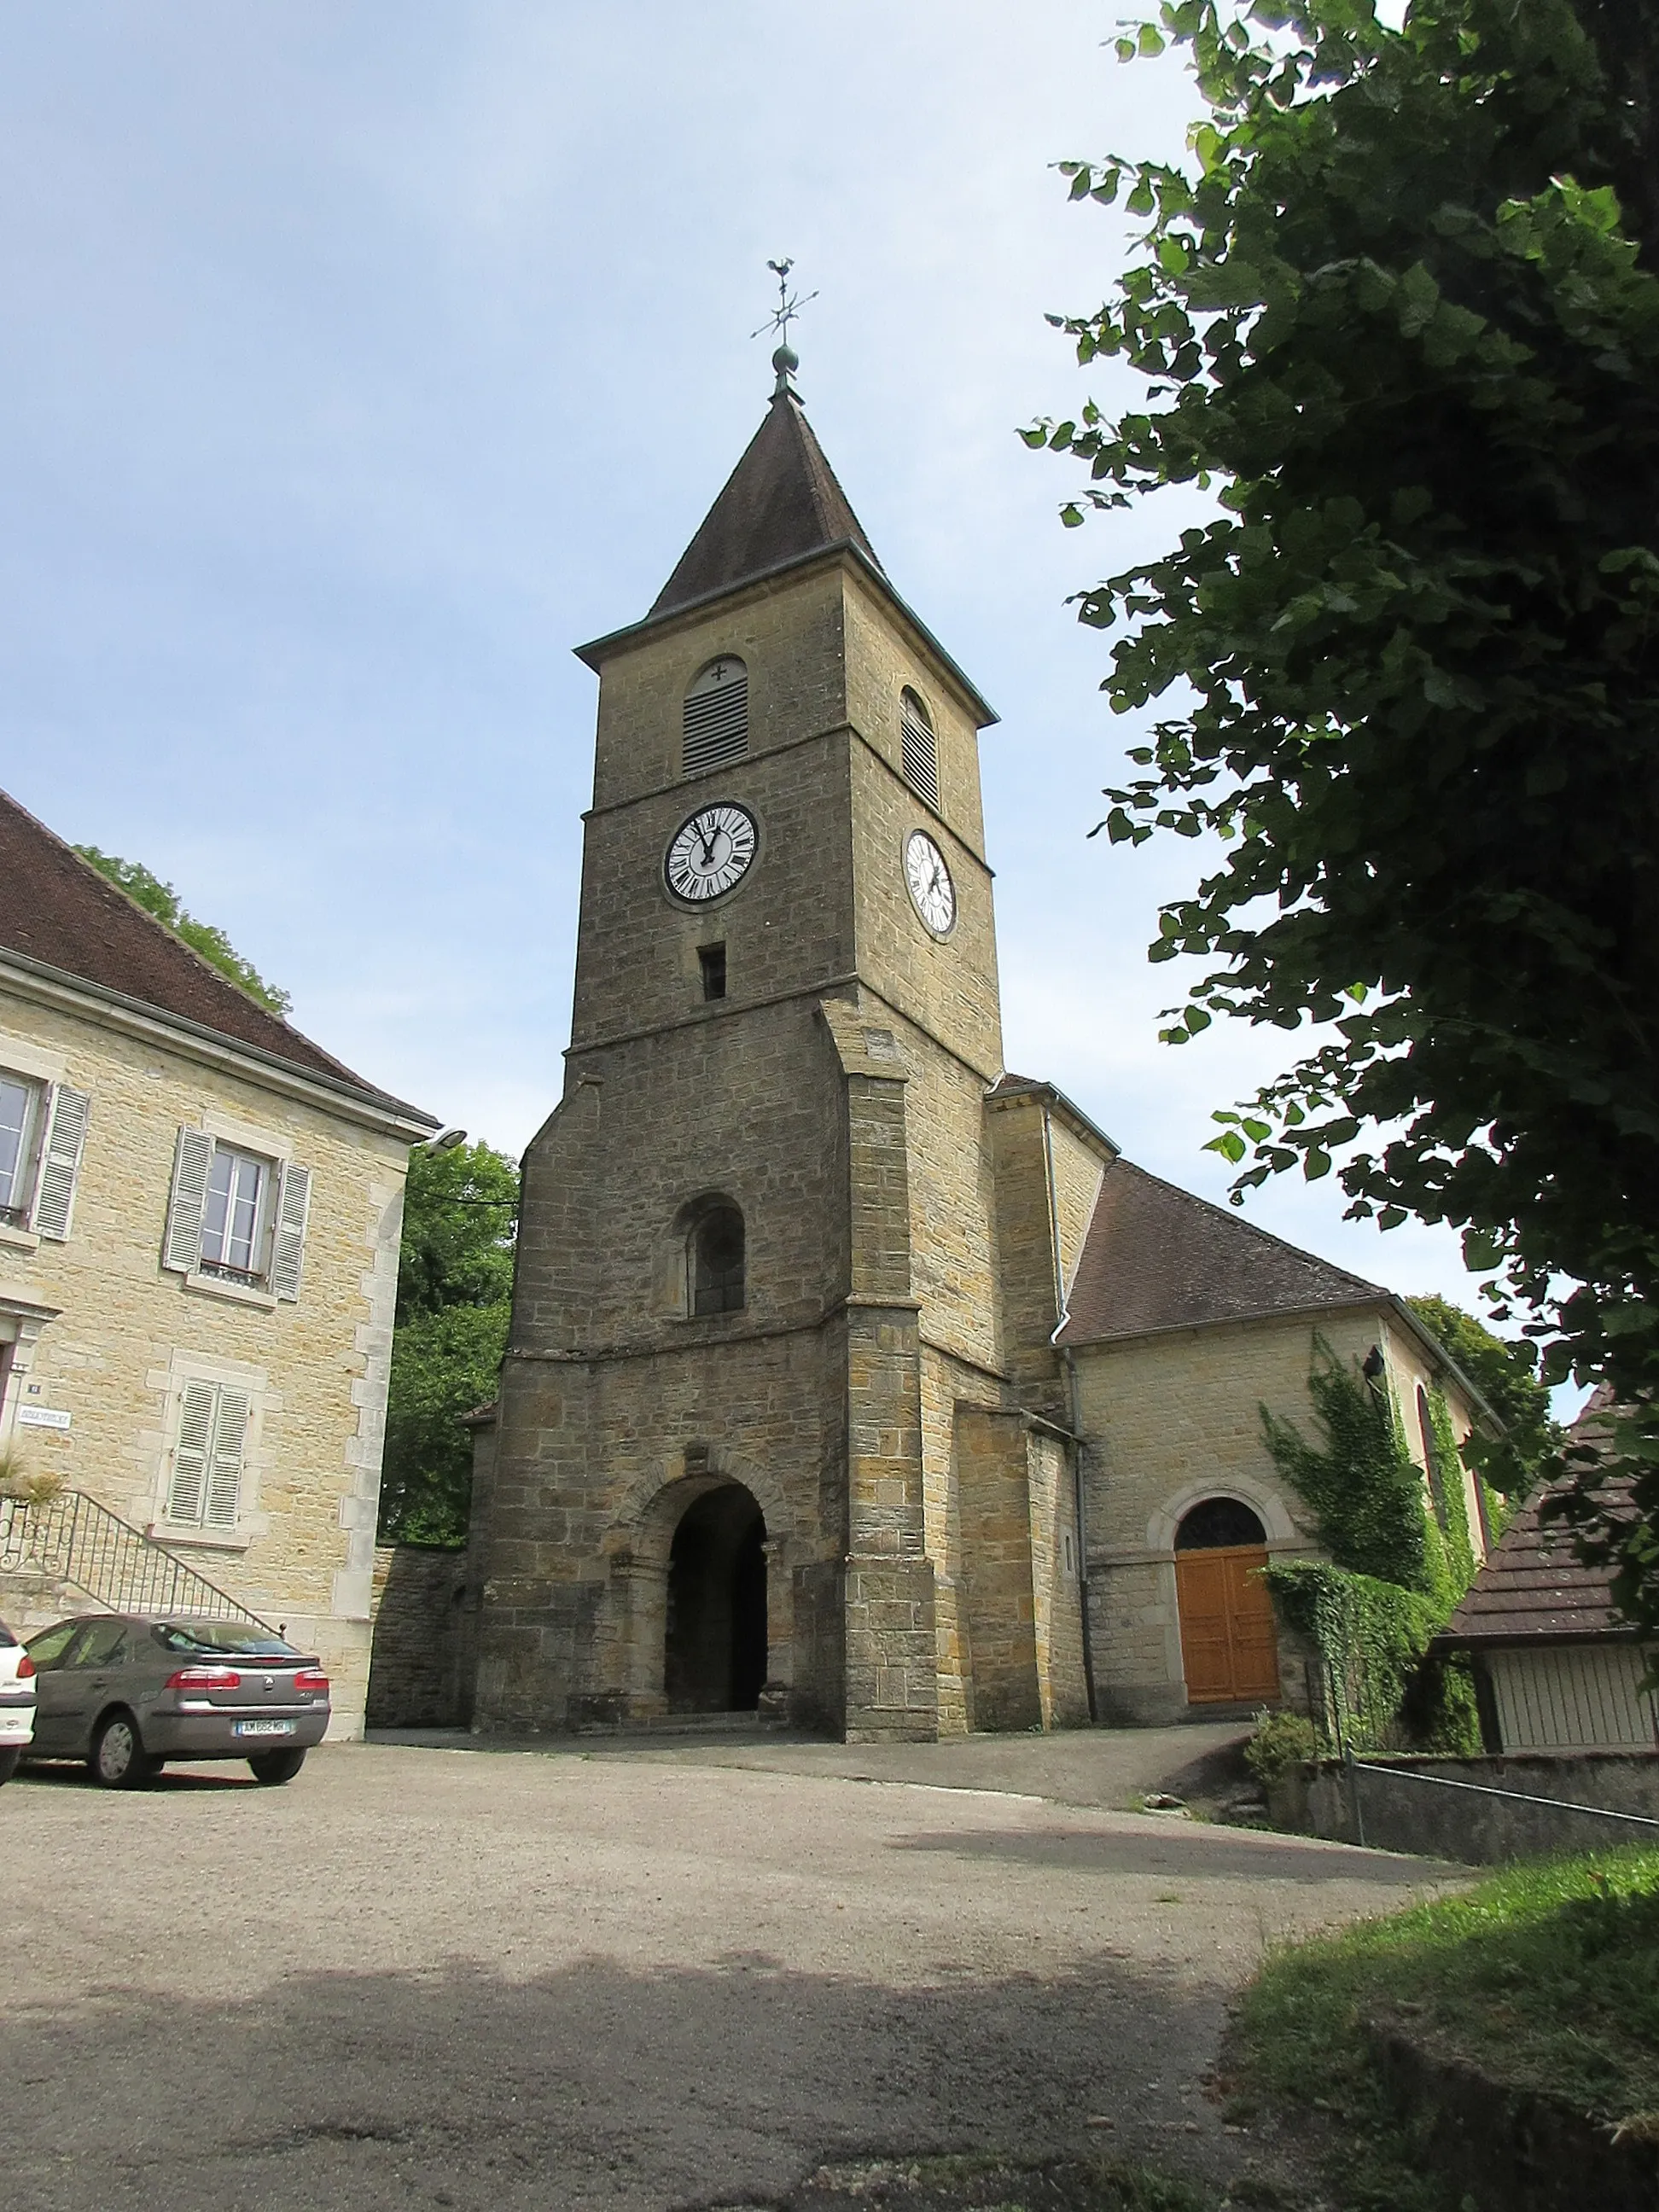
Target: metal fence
72,1539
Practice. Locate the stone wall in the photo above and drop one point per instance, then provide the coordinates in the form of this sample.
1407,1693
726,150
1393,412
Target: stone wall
1400,1814
128,1335
416,1676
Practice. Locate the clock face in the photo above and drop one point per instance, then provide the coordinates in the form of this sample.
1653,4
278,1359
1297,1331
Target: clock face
932,892
710,853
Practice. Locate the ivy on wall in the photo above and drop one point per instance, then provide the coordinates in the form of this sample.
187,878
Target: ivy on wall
1398,1563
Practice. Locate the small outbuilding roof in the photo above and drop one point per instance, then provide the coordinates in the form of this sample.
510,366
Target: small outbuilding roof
1157,1258
1534,1585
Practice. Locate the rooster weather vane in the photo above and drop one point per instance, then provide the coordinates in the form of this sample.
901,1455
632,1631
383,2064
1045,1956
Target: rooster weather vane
788,307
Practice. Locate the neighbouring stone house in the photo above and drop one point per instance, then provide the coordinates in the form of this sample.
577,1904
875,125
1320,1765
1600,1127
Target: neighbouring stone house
199,1218
844,1366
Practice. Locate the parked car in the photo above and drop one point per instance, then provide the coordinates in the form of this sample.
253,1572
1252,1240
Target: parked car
16,1702
128,1691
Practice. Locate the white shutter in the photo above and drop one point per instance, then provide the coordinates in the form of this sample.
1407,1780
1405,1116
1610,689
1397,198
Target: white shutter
181,1248
288,1249
60,1160
224,1480
192,1452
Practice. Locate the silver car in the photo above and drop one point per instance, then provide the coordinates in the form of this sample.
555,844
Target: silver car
127,1691
16,1702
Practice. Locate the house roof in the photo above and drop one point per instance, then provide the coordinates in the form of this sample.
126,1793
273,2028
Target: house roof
58,912
1533,1584
1008,1088
1156,1257
780,504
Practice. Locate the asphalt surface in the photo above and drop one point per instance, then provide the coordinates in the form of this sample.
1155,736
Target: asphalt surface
645,1976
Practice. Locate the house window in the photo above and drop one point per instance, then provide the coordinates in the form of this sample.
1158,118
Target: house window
714,723
43,1127
920,750
205,1488
717,1261
19,1114
236,1224
236,1215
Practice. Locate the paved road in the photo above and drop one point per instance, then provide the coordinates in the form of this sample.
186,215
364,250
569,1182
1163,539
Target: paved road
423,1976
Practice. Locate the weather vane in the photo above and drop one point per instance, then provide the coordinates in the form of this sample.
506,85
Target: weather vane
789,305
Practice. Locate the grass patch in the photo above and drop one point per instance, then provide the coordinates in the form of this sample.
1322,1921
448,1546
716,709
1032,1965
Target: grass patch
1546,1976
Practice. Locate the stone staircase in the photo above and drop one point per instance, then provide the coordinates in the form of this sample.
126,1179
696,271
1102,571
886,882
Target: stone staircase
68,1554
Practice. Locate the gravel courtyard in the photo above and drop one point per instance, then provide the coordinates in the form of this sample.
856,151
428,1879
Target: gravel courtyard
619,1977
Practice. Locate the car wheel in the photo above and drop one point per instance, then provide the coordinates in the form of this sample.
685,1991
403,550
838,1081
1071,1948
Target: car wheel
271,1767
119,1759
8,1759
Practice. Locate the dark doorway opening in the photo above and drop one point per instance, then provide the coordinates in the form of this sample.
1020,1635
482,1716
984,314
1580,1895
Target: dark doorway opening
715,1659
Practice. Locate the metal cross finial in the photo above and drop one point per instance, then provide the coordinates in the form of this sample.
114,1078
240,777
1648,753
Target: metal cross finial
789,305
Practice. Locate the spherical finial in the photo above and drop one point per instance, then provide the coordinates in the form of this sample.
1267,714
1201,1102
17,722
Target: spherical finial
786,362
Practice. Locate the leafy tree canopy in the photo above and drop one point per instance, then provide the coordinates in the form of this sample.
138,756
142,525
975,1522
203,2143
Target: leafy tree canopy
454,1302
1400,313
148,891
1506,1374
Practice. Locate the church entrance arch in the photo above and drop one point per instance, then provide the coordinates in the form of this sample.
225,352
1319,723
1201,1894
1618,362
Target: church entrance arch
1228,1642
715,1643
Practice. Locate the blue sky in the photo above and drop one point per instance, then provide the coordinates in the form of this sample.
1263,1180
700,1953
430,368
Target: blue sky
362,360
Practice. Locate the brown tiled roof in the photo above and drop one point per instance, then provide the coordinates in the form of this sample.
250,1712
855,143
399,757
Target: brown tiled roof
1157,1258
58,910
1535,1584
780,503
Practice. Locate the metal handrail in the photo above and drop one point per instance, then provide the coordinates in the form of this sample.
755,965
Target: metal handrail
1477,1788
72,1539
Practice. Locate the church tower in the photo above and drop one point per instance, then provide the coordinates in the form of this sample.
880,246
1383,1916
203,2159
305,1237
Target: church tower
758,1429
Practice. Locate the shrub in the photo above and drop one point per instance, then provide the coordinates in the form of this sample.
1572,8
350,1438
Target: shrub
1282,1743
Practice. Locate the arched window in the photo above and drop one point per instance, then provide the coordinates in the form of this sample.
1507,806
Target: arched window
716,1259
1217,1524
1436,1472
714,727
921,751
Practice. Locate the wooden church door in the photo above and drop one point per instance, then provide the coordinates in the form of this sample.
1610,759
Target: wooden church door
1228,1641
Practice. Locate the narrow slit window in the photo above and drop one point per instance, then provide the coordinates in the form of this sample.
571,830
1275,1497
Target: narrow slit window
711,958
920,748
715,727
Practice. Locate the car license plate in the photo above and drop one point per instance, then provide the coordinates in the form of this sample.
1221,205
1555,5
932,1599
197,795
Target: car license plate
264,1728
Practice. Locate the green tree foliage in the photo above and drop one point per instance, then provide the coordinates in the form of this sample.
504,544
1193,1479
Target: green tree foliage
455,1302
148,891
1506,1374
1400,313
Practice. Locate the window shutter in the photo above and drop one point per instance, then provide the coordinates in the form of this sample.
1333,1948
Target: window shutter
181,1248
288,1251
192,1452
921,750
224,1474
60,1161
714,727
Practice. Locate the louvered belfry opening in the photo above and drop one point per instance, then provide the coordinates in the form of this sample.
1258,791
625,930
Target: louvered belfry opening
715,723
921,750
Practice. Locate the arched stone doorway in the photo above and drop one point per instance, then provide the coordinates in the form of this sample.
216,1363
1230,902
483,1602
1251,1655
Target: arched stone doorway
1228,1641
714,1640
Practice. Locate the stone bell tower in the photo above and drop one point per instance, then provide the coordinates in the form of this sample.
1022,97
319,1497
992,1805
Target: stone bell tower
756,1280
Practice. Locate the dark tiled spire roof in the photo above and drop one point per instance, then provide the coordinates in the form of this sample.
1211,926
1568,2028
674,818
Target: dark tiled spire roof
780,503
57,909
1155,1258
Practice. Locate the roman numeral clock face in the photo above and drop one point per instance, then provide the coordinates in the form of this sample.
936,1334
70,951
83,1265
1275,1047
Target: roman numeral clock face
710,855
928,880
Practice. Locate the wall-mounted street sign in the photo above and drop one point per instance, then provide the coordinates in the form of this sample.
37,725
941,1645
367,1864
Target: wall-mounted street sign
42,1417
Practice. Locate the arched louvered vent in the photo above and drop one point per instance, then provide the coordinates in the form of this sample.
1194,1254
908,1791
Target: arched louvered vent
715,728
920,752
